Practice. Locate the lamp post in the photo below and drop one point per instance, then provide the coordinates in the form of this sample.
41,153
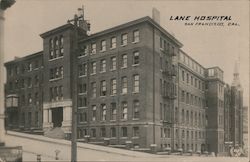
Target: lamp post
4,4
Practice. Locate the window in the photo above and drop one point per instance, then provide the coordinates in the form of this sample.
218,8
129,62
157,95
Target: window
83,50
93,88
113,132
136,59
113,43
161,43
187,78
191,117
124,61
183,76
93,132
94,113
29,98
136,35
124,132
124,40
103,66
60,92
183,134
136,83
124,110
103,88
29,82
82,88
103,112
113,86
136,132
113,111
136,112
187,117
124,85
82,102
210,72
103,132
192,82
187,98
93,48
183,96
161,111
22,83
36,100
36,66
83,69
51,94
36,81
195,118
113,63
176,115
93,68
61,46
182,116
82,117
103,45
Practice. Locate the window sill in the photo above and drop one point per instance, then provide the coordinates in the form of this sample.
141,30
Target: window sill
82,122
113,95
124,67
134,65
123,45
103,51
124,93
92,53
135,119
102,72
51,80
112,48
135,92
82,107
56,58
82,93
123,120
112,69
82,56
124,137
112,120
135,42
93,74
136,137
81,76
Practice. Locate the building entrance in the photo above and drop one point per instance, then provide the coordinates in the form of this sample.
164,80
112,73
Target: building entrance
57,117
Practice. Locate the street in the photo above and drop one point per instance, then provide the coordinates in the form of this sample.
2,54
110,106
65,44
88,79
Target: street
47,147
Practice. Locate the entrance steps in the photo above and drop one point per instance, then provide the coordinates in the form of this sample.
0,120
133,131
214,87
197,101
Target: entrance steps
56,132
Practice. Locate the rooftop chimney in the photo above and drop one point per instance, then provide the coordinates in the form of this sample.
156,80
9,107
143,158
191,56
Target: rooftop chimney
156,15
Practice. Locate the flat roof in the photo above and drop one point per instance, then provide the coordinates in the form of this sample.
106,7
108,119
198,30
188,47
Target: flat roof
131,23
18,59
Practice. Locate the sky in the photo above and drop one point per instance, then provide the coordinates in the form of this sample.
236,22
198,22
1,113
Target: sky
209,45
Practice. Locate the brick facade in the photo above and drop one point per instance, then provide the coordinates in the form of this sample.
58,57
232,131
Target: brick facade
134,86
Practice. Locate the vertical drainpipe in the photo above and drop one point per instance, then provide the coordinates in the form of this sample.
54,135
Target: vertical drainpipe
153,85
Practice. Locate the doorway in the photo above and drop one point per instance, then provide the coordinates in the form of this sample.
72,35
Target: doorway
57,117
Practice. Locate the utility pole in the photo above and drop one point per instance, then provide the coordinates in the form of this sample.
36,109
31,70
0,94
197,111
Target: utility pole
74,91
78,24
4,4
